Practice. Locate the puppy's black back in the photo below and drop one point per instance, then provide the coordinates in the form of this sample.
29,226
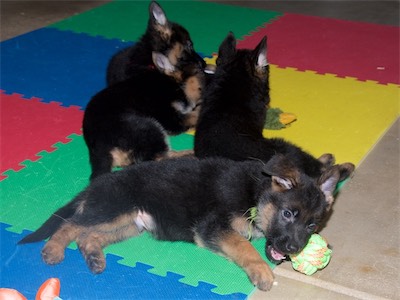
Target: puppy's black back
178,194
234,109
147,92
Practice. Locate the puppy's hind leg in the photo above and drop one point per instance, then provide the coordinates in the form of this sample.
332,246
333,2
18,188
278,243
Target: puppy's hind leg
176,154
91,246
93,239
53,251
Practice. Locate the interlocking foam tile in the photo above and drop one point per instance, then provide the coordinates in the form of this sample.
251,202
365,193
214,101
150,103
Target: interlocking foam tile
208,23
29,126
355,49
341,116
35,192
196,264
56,65
23,269
31,195
182,142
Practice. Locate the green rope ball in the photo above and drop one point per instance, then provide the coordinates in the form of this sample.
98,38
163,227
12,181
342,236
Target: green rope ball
315,256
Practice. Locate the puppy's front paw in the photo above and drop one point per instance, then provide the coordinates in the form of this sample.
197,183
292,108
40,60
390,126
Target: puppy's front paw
261,276
52,253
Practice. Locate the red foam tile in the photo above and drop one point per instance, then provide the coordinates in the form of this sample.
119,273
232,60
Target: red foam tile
29,126
361,50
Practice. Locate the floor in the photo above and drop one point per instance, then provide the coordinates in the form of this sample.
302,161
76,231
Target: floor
364,227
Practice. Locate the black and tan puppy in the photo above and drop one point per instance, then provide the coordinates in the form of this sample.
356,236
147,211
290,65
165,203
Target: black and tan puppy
206,202
128,122
161,35
234,108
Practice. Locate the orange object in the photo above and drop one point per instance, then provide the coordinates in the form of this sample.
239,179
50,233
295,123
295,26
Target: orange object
49,290
287,118
10,294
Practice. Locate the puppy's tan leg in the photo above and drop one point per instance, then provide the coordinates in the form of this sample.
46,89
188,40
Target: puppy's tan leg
53,251
92,241
91,246
175,154
242,252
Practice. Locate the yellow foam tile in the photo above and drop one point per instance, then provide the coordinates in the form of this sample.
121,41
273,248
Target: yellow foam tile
342,116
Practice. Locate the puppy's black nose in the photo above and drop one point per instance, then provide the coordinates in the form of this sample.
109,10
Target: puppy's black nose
292,248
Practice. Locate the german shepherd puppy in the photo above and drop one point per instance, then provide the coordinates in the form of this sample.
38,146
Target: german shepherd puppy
128,121
161,35
234,108
206,202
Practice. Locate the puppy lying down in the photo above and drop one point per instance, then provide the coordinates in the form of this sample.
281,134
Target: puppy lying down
206,202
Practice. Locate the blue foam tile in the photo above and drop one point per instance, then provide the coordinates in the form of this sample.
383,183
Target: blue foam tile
23,269
56,65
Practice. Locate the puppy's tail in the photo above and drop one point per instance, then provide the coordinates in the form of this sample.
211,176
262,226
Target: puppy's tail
51,225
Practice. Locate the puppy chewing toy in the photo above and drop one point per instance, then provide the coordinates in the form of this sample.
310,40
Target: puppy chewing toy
315,256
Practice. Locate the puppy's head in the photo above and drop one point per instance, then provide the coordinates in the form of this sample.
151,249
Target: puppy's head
243,73
190,79
172,40
294,206
252,61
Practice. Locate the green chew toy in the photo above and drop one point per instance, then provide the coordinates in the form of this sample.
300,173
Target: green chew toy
315,256
252,216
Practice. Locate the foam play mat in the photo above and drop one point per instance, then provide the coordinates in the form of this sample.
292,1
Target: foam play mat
340,78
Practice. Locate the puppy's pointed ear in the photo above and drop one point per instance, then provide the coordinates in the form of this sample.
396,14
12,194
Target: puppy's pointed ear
157,15
284,174
227,49
346,170
162,63
327,183
330,178
260,55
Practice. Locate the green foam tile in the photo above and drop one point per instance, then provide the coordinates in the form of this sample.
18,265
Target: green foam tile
208,23
32,194
182,142
196,264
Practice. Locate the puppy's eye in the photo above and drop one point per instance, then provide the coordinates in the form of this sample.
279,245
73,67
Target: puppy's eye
287,214
311,227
